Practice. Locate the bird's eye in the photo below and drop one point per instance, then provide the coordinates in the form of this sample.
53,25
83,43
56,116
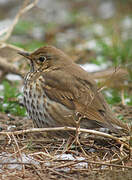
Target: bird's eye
42,58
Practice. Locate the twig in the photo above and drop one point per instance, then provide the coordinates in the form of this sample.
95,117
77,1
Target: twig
9,142
19,151
42,153
3,45
63,143
21,11
8,67
37,172
114,165
117,160
68,129
4,65
90,162
65,128
21,163
56,172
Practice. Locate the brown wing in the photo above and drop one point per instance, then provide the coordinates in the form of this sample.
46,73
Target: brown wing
67,88
75,89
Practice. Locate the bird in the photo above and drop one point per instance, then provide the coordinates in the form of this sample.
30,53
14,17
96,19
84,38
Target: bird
58,92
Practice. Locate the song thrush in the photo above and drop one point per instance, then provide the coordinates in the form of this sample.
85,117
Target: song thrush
57,92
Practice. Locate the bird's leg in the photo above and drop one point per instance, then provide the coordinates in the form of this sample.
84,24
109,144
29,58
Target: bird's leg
77,121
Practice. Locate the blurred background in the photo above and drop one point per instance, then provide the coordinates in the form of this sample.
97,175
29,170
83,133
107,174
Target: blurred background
96,34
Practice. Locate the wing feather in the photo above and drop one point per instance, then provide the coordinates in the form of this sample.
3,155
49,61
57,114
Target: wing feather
78,92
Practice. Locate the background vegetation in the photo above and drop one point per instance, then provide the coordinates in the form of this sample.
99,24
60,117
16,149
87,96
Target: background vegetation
97,33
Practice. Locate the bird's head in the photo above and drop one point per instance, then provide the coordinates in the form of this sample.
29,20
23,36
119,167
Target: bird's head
46,57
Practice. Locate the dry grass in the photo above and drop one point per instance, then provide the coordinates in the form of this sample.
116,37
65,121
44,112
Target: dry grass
94,156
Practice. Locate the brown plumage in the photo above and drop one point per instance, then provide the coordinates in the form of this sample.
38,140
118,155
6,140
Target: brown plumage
57,91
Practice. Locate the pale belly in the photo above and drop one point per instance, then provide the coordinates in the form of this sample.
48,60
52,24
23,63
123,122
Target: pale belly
43,111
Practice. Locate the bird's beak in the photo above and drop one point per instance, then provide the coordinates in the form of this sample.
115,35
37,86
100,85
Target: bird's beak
25,54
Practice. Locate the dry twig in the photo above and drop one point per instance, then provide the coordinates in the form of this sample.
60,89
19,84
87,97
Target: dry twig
4,65
19,151
8,67
69,129
19,14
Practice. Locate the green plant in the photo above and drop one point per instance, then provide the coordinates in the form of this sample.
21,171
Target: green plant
9,103
119,53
